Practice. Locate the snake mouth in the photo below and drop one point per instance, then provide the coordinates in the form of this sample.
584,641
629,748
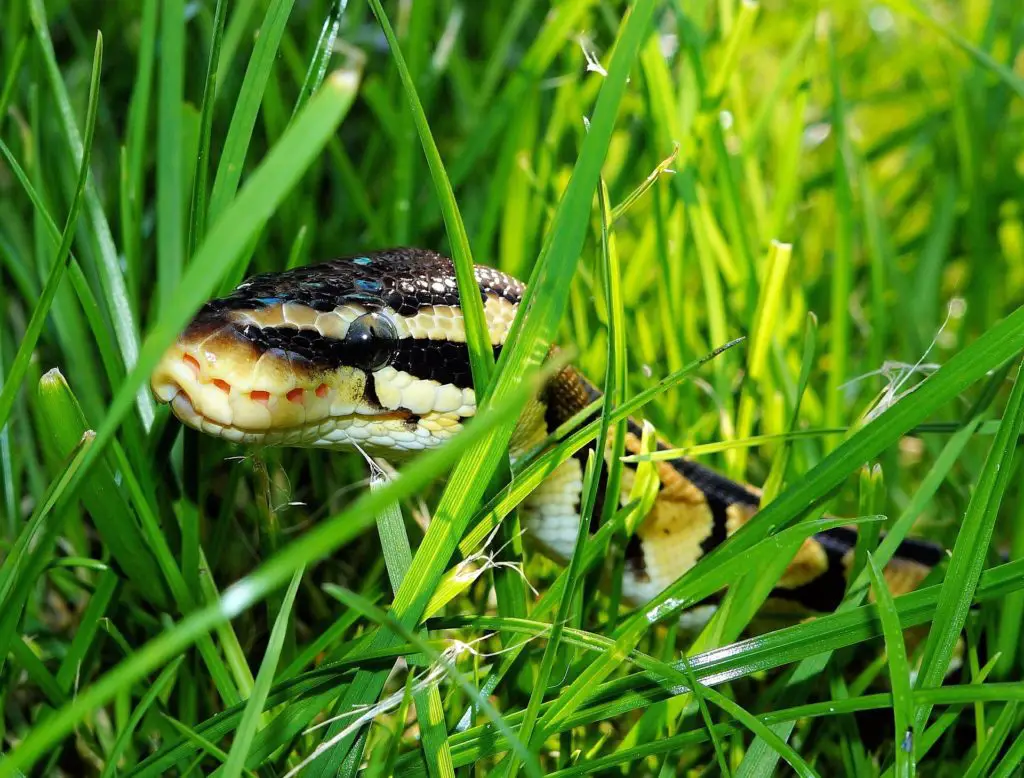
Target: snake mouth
218,386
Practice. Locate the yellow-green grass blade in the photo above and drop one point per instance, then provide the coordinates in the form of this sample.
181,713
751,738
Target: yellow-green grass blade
481,356
530,335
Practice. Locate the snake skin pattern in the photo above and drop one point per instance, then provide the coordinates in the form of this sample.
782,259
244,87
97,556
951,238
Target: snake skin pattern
371,351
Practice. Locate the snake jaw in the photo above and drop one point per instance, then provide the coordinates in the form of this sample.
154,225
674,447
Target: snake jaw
217,383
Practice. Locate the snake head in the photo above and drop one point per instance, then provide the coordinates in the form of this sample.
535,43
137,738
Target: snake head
367,350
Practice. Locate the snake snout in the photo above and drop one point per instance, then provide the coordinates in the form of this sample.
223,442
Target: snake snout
221,383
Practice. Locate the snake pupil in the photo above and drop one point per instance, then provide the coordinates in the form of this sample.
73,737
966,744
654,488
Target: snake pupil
370,341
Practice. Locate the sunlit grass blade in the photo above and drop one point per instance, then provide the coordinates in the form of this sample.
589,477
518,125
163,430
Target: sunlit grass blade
531,334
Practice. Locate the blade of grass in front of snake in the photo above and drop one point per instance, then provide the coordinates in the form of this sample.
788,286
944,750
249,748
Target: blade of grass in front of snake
531,333
279,171
481,355
394,541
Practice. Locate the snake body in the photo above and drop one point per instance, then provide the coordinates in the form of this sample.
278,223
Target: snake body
371,351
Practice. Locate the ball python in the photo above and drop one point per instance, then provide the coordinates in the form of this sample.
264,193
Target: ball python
370,351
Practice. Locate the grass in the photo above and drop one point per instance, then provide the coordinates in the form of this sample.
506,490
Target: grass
840,186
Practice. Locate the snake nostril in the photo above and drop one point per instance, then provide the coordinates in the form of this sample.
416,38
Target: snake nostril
321,391
295,395
224,386
258,396
192,362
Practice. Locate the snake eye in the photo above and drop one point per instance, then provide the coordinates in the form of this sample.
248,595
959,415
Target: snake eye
370,341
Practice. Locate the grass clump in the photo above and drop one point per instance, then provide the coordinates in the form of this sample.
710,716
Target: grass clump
669,176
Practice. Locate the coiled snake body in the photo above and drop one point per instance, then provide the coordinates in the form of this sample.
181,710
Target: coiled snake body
371,351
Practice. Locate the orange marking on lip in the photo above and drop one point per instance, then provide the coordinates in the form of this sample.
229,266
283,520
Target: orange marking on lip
295,395
192,362
321,391
224,386
259,396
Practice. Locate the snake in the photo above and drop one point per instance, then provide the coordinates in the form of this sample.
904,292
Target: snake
370,351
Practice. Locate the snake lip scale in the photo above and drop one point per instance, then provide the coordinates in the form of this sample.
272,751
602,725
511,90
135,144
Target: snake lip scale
370,351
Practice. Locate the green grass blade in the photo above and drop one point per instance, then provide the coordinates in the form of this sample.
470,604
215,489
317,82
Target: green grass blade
116,295
481,355
268,668
899,672
170,184
236,144
16,373
151,695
